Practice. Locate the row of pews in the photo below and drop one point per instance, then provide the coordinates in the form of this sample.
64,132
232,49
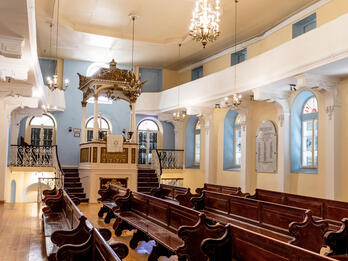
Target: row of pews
70,236
222,223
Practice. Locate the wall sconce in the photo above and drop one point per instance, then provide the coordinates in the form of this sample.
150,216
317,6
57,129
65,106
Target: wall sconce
70,129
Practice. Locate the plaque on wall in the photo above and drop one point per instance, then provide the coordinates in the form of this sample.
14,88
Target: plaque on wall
104,182
266,148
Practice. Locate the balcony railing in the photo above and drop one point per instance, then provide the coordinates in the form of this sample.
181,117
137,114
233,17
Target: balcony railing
171,159
31,156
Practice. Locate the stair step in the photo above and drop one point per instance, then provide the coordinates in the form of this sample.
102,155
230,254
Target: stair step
72,184
78,195
147,175
147,179
148,184
71,179
84,200
74,190
146,171
71,175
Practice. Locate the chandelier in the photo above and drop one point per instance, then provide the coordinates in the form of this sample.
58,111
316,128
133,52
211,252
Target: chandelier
179,116
232,102
53,81
205,20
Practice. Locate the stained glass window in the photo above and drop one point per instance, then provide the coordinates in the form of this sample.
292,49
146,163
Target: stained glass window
311,106
310,134
237,142
197,140
198,125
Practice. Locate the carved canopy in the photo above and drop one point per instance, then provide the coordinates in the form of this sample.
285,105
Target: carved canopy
111,82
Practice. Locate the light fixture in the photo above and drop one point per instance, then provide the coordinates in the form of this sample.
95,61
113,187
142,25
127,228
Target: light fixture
179,115
232,102
236,98
53,81
205,20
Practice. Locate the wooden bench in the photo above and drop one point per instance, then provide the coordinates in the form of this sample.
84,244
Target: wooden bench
160,220
182,195
331,210
222,189
64,223
241,244
107,198
284,223
94,249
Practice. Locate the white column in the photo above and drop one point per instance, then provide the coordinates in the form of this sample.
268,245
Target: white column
95,126
208,148
179,134
245,175
283,145
14,128
4,133
133,121
332,148
83,122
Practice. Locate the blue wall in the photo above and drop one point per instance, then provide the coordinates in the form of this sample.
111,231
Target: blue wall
68,145
168,135
153,78
296,132
229,139
189,141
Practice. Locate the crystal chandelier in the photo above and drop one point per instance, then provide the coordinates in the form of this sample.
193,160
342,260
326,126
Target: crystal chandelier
179,116
232,102
53,81
205,20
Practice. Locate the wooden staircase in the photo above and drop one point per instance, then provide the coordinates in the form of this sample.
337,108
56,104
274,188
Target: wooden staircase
147,179
73,185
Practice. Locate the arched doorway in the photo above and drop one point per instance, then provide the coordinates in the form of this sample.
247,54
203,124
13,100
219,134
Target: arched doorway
42,130
147,140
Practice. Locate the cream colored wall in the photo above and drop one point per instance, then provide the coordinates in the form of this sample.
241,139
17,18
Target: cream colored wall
23,180
217,64
313,184
344,140
169,79
325,14
261,111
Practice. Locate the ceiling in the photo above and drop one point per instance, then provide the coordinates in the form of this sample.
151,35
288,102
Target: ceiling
99,30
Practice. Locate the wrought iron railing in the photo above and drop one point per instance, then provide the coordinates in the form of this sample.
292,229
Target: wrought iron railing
31,156
171,159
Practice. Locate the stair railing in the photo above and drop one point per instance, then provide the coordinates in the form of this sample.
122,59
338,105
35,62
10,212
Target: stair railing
171,159
156,164
58,168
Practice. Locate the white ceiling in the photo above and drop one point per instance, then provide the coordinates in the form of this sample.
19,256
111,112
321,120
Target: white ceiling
99,30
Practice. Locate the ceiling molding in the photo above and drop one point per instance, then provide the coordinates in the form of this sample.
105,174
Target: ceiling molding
243,45
11,47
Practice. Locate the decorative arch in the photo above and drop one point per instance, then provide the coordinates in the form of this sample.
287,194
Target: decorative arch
190,133
33,188
232,140
304,119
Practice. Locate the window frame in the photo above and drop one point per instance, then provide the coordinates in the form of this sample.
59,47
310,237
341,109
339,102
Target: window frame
108,131
42,128
299,28
310,117
241,53
197,132
198,71
236,127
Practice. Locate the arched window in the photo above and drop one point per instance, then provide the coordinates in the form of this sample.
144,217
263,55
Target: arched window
147,140
232,141
197,139
42,130
310,134
304,133
237,142
104,127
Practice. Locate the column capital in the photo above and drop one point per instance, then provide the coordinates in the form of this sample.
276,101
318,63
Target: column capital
83,103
